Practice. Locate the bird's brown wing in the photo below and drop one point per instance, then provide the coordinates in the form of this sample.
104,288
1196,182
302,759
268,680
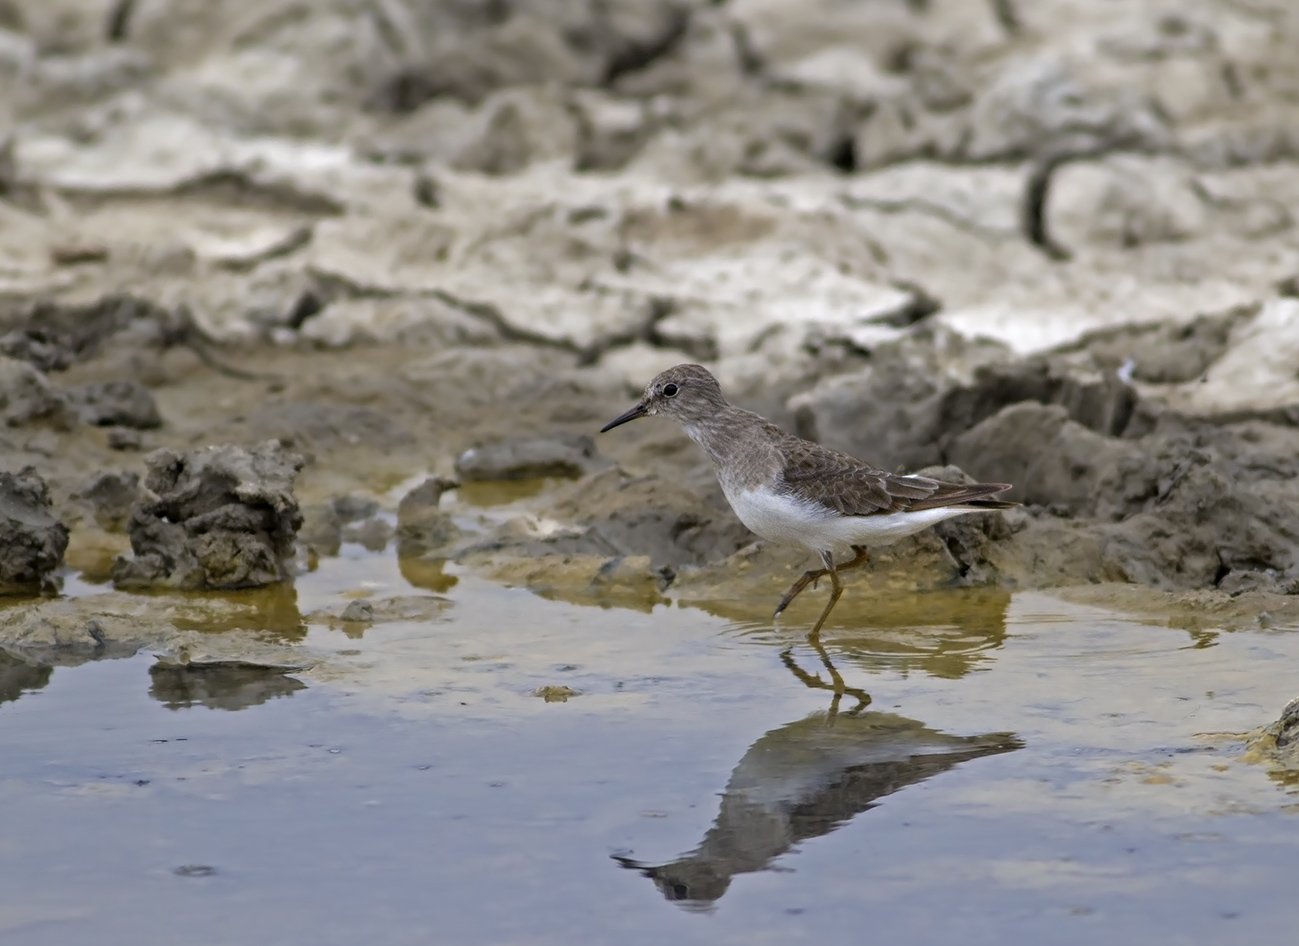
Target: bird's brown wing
854,488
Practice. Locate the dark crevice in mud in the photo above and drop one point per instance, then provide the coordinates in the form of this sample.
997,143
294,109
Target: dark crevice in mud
1007,16
750,60
955,550
119,21
843,155
658,309
636,57
227,187
1037,191
307,304
487,312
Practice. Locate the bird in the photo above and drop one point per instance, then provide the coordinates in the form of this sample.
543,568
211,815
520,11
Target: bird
790,490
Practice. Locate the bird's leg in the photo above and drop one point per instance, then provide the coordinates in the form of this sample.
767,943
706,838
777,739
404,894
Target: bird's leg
812,576
857,561
836,590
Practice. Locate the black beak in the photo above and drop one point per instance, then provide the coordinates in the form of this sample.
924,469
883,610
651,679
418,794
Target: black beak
638,411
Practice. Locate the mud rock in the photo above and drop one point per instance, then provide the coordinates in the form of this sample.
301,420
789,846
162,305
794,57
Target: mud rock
517,127
352,508
126,404
224,517
1277,744
1163,353
907,405
123,438
530,458
358,612
32,541
1054,461
970,538
651,516
111,496
322,529
372,533
26,396
421,526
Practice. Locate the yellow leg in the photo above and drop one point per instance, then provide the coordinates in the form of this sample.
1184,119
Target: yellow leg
812,576
836,591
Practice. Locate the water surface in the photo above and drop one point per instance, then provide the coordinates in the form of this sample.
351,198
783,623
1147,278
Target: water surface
959,767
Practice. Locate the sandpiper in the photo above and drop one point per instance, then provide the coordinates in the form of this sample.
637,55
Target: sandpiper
787,489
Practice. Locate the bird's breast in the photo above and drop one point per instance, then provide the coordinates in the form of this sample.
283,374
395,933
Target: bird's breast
780,517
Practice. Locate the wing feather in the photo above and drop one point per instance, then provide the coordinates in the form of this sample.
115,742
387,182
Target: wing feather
854,488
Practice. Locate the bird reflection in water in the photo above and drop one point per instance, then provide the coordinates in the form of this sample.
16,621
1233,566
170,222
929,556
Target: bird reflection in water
807,778
226,685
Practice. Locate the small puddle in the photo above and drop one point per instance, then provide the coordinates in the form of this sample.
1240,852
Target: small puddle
490,766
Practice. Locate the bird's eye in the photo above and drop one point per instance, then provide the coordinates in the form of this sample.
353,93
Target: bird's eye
680,891
670,390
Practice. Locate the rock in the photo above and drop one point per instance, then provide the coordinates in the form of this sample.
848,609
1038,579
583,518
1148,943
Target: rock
224,517
111,496
26,396
122,438
1054,461
32,541
517,127
909,403
126,404
352,508
373,533
322,529
1254,376
1277,744
358,612
421,526
1165,353
648,515
530,458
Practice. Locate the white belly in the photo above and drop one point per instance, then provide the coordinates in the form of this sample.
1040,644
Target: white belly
782,518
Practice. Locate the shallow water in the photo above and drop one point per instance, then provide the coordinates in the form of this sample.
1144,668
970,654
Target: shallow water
991,769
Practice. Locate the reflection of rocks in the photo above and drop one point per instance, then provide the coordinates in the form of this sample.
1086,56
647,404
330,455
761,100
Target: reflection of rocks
224,517
805,780
17,676
32,541
226,685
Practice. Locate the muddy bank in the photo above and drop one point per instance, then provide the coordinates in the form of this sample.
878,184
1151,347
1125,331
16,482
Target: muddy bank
1049,244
